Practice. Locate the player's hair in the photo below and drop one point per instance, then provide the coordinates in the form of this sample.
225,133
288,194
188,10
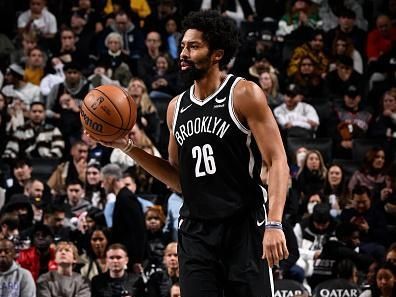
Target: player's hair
218,31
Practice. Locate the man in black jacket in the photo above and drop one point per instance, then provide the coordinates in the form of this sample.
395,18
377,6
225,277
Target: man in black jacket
116,282
128,226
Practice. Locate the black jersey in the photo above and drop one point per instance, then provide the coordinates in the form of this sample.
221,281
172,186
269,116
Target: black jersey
219,160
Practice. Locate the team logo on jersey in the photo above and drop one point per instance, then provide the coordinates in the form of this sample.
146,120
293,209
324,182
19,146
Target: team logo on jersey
219,101
183,109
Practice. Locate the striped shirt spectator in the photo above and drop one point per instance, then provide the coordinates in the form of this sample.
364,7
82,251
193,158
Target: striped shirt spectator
35,139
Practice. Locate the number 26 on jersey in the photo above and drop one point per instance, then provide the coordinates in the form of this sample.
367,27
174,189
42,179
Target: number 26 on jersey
205,160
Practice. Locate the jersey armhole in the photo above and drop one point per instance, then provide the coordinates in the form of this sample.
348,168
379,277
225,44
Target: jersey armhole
176,112
231,109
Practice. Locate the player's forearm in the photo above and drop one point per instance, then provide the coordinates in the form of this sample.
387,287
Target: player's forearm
277,188
160,168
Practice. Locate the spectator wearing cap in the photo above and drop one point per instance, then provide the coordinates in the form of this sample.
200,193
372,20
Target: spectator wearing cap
312,233
15,280
300,14
36,138
381,39
348,26
39,258
21,206
38,19
314,49
17,89
296,118
63,102
341,78
351,122
261,63
64,281
345,245
9,223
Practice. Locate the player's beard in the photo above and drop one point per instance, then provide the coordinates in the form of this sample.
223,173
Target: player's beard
192,73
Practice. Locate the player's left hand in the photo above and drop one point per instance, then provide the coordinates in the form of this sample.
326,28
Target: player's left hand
274,246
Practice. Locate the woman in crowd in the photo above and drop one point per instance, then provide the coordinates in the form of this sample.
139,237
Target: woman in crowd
270,85
94,192
309,80
96,253
311,180
335,189
372,174
147,114
343,45
385,282
384,125
115,62
163,82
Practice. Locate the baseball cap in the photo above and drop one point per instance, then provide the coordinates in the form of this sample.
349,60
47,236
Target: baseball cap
73,65
16,69
345,60
321,213
292,90
352,91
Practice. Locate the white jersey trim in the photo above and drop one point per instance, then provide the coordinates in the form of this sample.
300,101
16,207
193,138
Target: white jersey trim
231,109
176,112
210,97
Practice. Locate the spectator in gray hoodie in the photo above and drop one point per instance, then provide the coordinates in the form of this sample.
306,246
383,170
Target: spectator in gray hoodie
15,281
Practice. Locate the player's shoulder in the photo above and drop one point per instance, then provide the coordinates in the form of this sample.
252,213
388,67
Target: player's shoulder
247,88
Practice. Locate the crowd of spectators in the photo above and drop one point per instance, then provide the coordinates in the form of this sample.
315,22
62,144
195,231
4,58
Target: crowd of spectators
81,219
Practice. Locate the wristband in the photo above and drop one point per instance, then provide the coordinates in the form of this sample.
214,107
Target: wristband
273,225
128,146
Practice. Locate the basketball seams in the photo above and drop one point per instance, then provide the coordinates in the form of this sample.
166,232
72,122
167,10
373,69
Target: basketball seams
130,107
115,107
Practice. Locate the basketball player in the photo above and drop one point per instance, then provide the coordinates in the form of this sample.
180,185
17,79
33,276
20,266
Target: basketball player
220,131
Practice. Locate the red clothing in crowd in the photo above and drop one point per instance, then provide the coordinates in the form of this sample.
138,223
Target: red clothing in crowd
378,44
30,260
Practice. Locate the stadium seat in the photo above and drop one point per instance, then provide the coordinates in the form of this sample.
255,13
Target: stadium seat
43,168
348,166
360,146
324,145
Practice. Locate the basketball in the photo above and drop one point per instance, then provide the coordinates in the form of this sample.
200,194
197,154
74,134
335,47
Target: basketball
108,113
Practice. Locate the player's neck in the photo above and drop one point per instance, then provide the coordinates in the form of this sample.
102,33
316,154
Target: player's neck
209,84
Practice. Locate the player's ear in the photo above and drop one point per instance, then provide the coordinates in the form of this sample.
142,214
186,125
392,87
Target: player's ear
218,55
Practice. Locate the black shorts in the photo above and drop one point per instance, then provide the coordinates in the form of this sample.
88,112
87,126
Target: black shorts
223,259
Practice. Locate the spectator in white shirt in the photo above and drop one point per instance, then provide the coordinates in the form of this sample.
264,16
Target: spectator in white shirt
296,118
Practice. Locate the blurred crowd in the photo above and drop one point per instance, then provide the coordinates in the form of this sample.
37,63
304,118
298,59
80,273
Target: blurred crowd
81,219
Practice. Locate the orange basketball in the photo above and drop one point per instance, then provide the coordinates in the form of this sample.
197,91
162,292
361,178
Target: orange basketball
108,113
